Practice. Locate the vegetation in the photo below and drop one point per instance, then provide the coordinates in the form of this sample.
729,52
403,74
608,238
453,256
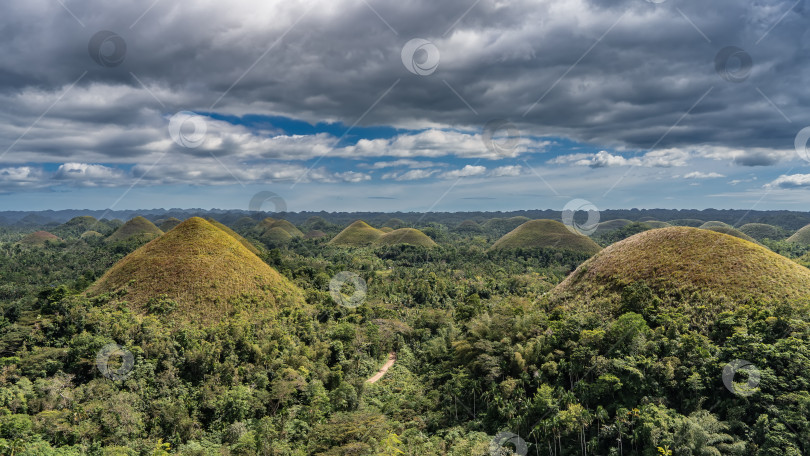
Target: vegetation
624,357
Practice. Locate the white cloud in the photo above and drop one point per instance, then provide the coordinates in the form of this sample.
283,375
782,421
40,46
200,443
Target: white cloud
511,170
702,175
466,171
790,181
413,174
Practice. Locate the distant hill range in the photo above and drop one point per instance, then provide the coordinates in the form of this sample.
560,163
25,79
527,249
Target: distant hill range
788,220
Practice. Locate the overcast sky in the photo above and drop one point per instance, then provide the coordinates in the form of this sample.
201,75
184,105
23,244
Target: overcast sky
408,105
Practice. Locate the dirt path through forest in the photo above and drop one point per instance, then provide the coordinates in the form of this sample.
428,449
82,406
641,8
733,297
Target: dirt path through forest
392,358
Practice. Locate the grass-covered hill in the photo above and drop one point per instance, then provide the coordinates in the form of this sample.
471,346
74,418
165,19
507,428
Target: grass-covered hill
611,225
78,225
760,231
468,227
548,234
263,227
169,223
801,237
410,236
715,224
680,265
275,236
500,226
39,238
138,226
192,274
395,223
315,234
686,222
357,234
656,224
235,235
731,232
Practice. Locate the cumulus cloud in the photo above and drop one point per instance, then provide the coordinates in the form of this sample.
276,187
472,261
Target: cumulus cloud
603,159
702,175
790,181
466,171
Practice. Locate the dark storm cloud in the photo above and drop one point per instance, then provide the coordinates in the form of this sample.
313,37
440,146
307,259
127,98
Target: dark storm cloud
641,67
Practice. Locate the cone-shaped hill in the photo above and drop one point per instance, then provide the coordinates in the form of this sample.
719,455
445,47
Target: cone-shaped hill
732,232
357,234
760,231
545,233
410,236
315,234
715,224
235,235
168,224
386,229
269,223
801,237
39,238
656,224
611,225
680,265
468,227
686,222
78,225
201,269
395,223
138,226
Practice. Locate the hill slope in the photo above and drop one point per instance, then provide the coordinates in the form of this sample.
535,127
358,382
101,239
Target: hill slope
357,234
138,226
410,236
679,261
545,233
235,235
801,237
199,267
731,232
39,238
760,231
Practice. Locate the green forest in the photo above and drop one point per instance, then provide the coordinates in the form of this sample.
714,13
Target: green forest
507,336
